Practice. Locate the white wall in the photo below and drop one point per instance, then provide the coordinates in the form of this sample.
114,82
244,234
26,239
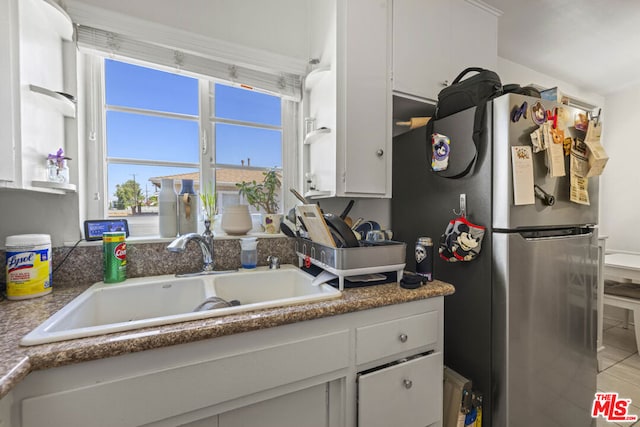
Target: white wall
620,184
277,26
510,72
25,212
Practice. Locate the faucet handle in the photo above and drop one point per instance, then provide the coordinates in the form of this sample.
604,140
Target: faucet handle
274,262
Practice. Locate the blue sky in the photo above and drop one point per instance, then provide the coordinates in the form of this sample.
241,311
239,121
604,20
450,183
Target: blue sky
166,139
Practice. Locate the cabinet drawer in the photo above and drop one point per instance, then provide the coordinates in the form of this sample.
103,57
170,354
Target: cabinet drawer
396,336
408,394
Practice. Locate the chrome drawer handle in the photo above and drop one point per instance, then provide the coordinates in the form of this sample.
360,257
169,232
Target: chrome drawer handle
403,337
407,384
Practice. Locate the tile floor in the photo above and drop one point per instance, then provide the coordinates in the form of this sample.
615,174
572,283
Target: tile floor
620,367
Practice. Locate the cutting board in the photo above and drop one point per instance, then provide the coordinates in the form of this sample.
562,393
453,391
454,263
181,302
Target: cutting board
316,225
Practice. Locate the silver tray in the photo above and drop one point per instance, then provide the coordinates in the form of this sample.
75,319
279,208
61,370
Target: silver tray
369,256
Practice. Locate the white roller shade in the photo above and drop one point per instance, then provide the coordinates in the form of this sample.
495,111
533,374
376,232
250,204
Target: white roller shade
285,84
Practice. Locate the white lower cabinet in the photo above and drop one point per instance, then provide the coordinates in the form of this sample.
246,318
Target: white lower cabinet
5,410
407,394
298,375
304,408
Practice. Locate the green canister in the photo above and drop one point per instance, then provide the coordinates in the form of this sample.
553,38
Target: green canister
114,254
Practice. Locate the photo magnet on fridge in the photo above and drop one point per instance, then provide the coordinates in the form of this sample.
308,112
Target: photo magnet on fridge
441,146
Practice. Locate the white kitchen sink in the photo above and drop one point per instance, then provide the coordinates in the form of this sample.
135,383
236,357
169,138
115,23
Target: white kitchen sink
160,300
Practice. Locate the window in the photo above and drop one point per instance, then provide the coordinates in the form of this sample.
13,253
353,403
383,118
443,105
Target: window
160,124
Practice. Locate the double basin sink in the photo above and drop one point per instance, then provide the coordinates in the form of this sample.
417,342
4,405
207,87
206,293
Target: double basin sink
161,300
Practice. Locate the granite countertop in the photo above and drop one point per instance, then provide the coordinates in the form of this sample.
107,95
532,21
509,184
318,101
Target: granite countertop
17,318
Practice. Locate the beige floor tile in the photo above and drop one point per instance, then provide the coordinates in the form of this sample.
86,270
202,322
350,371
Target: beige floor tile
625,372
620,338
627,390
635,410
610,323
632,361
601,422
610,355
622,370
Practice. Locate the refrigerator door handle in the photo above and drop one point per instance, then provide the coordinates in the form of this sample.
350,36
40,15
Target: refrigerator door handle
562,237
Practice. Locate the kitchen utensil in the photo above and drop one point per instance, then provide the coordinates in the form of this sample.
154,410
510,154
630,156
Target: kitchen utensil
299,196
336,224
415,122
301,222
291,215
286,229
367,226
346,210
339,227
375,236
316,225
356,223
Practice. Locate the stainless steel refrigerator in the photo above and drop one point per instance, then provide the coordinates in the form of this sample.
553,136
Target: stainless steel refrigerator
522,322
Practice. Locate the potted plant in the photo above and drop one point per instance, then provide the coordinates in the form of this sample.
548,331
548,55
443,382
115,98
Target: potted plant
264,197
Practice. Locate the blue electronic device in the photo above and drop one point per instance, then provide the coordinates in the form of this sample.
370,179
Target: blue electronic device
94,228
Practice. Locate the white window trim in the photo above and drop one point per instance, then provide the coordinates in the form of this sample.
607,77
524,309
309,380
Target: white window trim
97,195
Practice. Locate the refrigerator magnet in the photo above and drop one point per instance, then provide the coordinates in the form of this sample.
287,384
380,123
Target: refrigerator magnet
537,141
581,122
538,113
520,111
566,145
441,149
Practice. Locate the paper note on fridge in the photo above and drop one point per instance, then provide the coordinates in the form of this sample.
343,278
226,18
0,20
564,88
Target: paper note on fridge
522,164
597,155
555,153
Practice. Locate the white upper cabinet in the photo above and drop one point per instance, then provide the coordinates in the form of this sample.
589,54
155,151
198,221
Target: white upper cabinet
349,94
8,90
37,103
434,40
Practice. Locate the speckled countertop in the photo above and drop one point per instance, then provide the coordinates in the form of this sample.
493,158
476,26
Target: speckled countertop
17,318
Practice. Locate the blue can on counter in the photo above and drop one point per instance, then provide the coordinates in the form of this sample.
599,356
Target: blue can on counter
424,257
114,256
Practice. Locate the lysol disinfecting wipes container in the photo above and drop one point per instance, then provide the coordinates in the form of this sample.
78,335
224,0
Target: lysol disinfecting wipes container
28,266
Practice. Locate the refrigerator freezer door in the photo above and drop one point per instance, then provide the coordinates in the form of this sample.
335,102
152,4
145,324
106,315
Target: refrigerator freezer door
506,134
544,325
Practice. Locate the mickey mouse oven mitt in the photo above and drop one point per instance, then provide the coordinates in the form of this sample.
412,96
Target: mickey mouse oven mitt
461,240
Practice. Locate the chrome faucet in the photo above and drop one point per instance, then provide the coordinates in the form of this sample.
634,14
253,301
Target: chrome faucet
274,262
206,246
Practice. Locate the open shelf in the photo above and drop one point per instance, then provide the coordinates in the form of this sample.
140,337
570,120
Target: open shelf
318,193
58,100
315,76
59,19
315,135
59,187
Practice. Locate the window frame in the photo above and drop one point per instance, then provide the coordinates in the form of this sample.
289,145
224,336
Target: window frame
92,66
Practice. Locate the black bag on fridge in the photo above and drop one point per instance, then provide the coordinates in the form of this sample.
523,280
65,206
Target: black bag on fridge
474,91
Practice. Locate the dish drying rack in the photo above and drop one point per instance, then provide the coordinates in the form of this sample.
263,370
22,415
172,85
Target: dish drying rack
383,257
